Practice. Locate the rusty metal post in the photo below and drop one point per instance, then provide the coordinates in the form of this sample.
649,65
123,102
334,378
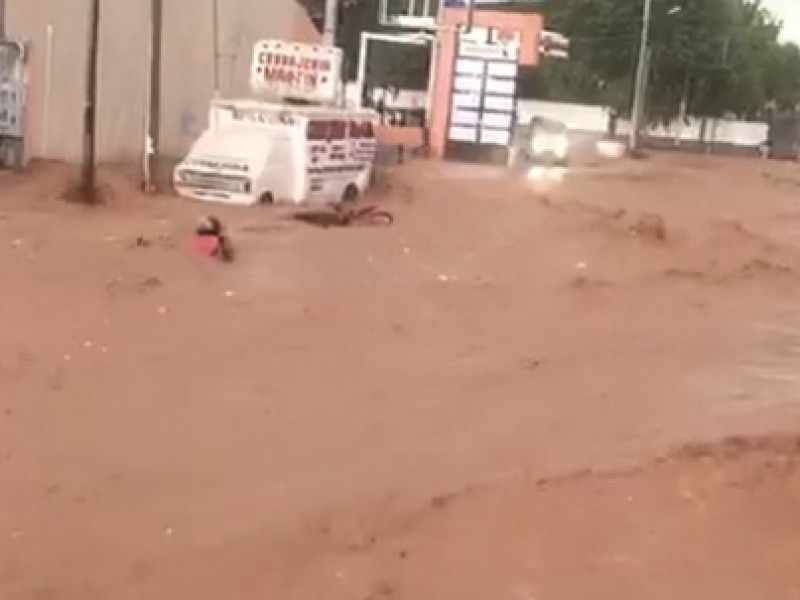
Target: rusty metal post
90,109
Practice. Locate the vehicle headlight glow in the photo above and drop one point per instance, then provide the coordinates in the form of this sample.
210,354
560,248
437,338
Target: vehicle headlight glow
539,145
561,146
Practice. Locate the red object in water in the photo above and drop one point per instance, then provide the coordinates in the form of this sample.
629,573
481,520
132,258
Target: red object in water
206,245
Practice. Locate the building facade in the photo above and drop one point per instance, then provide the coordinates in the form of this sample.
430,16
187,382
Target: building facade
58,32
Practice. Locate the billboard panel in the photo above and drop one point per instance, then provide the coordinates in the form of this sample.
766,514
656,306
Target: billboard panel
309,72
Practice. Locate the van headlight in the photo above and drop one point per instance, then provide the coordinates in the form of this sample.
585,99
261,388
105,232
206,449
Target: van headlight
562,146
539,145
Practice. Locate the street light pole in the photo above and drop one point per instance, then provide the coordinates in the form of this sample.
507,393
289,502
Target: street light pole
215,45
152,135
87,188
331,21
640,90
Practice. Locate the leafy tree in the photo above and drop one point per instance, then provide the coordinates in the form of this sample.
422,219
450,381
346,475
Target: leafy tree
718,56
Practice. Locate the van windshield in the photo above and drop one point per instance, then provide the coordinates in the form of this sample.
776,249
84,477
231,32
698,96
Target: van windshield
548,125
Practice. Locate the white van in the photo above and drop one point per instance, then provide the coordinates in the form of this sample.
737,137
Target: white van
262,152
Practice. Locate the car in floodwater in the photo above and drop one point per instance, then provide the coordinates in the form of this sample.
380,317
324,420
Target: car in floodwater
542,142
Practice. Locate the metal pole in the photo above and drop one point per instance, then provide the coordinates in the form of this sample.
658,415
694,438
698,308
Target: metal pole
90,109
2,18
361,78
215,44
48,89
434,58
683,110
154,96
470,15
641,77
331,22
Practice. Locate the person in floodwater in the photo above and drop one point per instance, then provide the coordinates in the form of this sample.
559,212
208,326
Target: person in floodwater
210,239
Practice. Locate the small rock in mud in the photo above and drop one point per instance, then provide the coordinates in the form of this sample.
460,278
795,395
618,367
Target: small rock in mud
650,227
384,590
760,265
141,242
681,273
150,282
584,282
441,502
531,364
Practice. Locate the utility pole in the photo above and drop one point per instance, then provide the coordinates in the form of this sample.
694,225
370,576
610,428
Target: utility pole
215,44
470,15
683,109
640,91
331,22
153,133
88,190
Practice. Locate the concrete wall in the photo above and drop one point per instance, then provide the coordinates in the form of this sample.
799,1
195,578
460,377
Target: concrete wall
187,73
594,119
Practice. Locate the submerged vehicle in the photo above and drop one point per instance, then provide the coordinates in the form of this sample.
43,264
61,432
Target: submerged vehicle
261,152
291,142
542,142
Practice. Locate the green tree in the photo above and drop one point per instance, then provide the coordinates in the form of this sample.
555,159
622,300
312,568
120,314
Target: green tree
718,56
721,56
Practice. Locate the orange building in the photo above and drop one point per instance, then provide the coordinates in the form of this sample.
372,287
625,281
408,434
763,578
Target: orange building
525,28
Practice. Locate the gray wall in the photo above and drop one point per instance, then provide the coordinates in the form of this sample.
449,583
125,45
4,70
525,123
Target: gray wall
187,72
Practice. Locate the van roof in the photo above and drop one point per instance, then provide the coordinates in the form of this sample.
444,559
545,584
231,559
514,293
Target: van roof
310,110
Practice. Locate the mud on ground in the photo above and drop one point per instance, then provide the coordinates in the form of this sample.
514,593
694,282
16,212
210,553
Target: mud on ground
471,403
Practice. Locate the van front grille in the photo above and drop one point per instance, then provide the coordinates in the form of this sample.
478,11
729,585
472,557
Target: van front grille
211,181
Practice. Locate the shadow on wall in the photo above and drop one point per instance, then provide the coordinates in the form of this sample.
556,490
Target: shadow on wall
192,127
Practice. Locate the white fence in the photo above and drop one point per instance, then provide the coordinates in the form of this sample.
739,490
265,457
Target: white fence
594,119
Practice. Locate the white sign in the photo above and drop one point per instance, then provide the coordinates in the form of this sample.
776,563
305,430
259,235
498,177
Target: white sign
500,103
554,44
470,49
465,117
467,83
302,71
469,66
503,87
497,120
502,69
460,133
495,137
466,100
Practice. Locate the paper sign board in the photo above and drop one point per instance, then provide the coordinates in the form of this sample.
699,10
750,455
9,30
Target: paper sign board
283,69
